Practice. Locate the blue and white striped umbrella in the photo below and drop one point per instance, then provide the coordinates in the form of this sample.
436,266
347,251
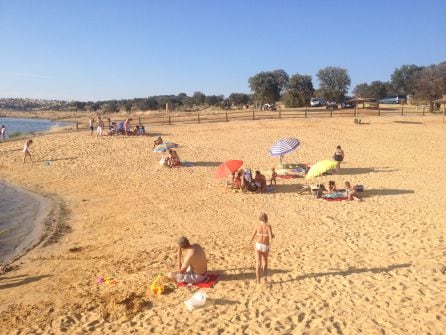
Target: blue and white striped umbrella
283,146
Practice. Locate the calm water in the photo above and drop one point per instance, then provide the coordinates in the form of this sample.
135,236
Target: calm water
28,125
20,215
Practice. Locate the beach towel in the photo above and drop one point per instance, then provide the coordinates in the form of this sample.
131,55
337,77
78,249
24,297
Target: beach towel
335,196
210,282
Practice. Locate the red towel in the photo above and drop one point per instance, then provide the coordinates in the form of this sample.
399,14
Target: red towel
208,283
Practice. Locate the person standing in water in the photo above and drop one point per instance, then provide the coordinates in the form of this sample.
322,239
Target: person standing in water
3,132
26,151
263,234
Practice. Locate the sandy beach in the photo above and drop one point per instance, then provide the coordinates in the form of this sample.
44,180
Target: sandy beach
372,267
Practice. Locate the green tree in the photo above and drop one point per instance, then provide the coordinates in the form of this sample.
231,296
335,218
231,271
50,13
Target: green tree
333,83
198,98
267,86
431,83
110,106
300,90
377,90
238,99
404,78
213,100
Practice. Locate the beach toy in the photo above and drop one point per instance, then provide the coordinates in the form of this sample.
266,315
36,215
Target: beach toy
196,301
157,287
107,279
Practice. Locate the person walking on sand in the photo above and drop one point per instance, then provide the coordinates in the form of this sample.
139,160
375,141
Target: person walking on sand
100,128
127,126
26,151
338,156
263,234
3,132
91,125
192,265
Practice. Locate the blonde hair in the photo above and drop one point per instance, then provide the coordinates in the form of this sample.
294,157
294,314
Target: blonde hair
263,217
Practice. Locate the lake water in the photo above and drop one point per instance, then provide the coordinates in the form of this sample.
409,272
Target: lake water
14,125
21,215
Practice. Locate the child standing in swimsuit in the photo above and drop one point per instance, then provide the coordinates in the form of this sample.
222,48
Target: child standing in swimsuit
264,234
26,152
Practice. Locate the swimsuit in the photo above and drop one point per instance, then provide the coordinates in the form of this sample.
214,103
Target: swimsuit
262,247
190,277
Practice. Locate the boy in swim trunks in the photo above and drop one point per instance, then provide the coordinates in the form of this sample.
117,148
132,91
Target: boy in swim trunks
264,234
192,268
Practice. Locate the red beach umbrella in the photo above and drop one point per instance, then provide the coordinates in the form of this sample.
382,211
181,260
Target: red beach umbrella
227,168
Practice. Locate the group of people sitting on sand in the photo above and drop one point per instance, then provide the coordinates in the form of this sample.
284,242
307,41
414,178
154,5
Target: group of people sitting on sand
123,128
244,181
351,192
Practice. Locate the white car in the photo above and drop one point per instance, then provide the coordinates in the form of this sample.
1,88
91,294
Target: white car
317,102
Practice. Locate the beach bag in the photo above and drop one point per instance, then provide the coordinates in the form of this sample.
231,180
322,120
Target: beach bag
359,188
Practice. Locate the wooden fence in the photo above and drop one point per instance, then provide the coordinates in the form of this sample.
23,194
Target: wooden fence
175,118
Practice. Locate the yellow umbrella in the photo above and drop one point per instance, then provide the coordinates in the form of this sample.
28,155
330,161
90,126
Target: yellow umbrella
320,167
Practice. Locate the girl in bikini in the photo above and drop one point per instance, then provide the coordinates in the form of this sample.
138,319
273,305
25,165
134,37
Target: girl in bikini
264,234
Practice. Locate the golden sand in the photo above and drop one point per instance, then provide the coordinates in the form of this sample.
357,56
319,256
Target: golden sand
373,267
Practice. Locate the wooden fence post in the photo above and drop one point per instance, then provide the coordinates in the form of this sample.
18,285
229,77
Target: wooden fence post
306,110
280,114
253,115
77,125
402,109
379,111
139,119
423,110
331,112
198,114
227,116
169,120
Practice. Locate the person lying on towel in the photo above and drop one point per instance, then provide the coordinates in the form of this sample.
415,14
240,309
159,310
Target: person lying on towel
192,263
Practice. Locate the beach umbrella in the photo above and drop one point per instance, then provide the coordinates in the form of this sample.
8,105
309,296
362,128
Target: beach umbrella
163,147
320,167
283,146
227,168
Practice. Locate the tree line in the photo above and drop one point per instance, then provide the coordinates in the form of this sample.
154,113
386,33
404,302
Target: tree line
422,83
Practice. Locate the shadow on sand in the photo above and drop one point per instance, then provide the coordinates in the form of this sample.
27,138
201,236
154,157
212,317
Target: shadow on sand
249,275
209,164
347,272
15,281
56,159
389,191
408,122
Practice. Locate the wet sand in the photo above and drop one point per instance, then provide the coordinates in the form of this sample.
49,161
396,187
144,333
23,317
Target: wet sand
377,266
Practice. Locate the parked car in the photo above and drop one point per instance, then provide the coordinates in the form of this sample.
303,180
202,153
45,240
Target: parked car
394,99
317,102
268,107
331,105
348,104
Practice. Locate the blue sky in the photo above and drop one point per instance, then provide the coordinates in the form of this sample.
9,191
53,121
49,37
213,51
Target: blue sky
97,50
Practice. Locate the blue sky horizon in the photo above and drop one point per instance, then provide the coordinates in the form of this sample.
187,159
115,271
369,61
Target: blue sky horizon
101,50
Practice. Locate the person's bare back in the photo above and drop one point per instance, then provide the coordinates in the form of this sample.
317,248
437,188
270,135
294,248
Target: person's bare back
195,257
